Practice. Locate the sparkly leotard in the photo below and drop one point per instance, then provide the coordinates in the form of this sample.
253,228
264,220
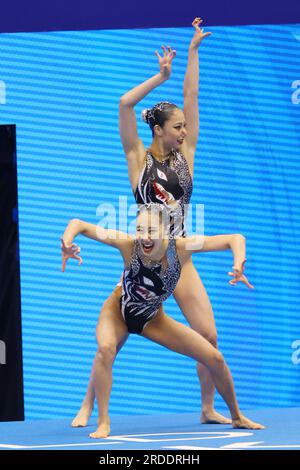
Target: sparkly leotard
145,287
168,182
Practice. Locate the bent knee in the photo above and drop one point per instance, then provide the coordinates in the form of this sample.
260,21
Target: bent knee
106,352
216,360
212,338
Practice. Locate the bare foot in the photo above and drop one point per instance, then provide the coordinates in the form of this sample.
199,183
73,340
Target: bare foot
244,423
82,418
212,417
102,431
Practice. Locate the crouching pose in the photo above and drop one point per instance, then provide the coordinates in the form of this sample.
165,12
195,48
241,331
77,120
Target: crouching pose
152,266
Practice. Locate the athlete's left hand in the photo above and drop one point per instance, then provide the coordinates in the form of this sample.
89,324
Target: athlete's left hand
199,33
239,276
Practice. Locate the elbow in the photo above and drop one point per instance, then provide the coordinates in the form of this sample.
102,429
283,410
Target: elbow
77,223
236,238
123,101
239,237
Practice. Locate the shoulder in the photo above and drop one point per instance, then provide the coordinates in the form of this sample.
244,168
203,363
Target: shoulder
182,253
126,240
178,155
148,158
180,244
187,154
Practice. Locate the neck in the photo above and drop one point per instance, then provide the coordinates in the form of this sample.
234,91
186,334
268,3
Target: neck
159,150
161,253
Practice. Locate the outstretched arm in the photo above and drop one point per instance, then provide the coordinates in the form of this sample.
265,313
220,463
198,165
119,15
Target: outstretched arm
133,146
191,92
203,243
234,242
114,238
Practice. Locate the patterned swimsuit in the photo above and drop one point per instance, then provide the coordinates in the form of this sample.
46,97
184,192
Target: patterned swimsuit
168,182
145,287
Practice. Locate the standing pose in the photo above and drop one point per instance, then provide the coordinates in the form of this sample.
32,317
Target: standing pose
163,174
152,267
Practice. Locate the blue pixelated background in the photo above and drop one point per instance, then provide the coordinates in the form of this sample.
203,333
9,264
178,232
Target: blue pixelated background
61,89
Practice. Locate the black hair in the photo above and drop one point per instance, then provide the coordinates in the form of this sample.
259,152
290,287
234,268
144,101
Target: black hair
158,114
157,209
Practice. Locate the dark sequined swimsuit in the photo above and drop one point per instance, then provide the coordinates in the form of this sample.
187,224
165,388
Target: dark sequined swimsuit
168,182
145,287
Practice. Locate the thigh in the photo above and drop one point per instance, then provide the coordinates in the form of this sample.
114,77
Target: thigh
111,327
191,297
177,337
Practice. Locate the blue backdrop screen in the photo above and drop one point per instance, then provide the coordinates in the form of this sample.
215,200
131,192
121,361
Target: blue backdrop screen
61,89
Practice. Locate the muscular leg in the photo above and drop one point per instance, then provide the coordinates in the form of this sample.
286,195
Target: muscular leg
83,415
177,337
111,335
191,296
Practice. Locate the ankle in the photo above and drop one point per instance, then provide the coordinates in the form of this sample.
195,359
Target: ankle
236,416
86,406
207,409
103,419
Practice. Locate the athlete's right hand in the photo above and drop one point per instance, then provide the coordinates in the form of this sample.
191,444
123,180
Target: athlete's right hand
165,61
199,33
69,251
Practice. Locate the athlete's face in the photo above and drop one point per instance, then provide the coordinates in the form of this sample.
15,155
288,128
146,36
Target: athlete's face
150,234
174,131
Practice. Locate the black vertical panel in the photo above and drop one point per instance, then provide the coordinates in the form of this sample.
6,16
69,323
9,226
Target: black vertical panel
11,373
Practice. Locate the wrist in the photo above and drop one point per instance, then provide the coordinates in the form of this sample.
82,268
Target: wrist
194,47
64,245
239,265
163,78
66,242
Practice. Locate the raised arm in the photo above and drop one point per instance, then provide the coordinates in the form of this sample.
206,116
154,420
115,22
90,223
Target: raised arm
132,144
191,92
115,238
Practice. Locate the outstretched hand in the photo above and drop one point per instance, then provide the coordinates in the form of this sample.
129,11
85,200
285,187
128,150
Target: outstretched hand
239,276
69,252
199,33
165,61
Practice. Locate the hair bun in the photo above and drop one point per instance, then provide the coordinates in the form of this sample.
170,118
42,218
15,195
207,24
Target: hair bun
145,114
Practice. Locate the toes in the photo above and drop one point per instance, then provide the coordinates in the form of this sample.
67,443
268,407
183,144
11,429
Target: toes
94,435
99,435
